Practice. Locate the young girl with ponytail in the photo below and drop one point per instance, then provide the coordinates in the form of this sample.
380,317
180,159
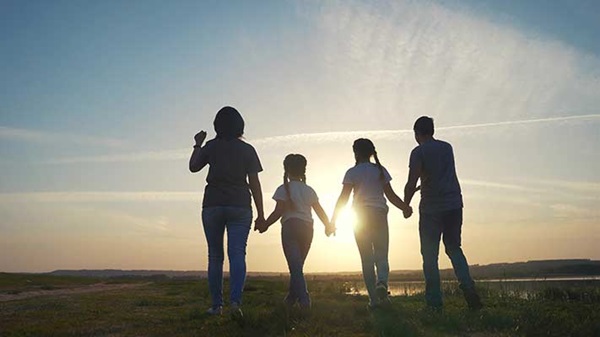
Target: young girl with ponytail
295,200
371,185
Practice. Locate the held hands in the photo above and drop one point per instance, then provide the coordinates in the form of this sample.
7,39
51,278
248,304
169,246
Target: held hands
200,137
330,229
260,225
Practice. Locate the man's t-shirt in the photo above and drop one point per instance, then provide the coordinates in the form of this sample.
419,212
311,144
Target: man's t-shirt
230,163
440,190
303,197
368,185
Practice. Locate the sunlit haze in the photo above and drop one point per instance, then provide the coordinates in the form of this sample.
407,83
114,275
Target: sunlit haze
99,103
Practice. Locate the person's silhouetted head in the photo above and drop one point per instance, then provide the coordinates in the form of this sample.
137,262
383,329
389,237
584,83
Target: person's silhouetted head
423,129
363,150
228,123
294,166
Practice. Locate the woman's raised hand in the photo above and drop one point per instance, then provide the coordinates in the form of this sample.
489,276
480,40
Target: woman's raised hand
200,137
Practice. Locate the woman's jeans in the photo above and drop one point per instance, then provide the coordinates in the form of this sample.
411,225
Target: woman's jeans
372,238
296,237
237,220
446,226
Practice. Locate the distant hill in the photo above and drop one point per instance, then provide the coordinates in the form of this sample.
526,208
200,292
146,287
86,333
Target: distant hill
529,269
144,273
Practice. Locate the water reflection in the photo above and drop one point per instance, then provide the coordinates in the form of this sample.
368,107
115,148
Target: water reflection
526,288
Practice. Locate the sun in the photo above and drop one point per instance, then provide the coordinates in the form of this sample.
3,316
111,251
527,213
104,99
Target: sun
345,225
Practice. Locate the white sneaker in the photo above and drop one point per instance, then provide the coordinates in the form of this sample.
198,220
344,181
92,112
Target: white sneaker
382,292
236,311
215,311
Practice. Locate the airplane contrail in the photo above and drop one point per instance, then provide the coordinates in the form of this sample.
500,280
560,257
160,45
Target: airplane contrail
179,154
384,133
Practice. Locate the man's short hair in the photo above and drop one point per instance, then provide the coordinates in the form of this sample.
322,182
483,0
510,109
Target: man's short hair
424,126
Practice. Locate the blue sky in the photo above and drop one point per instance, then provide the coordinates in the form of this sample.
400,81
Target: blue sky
99,102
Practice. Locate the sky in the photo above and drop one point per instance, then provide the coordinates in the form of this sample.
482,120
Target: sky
100,100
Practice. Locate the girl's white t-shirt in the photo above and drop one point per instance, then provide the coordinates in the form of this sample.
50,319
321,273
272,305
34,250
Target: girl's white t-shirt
303,197
366,181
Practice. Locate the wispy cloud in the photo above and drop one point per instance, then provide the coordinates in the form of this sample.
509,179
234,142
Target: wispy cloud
497,185
398,58
36,136
125,157
341,136
553,189
95,196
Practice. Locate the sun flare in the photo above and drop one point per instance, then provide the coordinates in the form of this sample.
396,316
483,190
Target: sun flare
345,225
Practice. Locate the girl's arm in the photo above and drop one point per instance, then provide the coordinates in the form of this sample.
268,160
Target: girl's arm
274,216
256,190
324,219
321,213
395,199
197,161
342,201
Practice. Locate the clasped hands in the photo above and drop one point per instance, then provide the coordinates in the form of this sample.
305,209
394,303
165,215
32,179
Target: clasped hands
260,225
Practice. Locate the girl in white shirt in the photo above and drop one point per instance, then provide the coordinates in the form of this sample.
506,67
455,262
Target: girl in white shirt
295,200
371,185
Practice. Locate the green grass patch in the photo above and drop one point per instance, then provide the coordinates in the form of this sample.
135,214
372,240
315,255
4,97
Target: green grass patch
177,308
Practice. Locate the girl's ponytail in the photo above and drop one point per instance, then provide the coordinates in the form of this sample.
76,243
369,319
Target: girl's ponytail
293,165
381,174
286,184
363,150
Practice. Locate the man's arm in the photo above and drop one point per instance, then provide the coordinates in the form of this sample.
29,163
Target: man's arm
411,184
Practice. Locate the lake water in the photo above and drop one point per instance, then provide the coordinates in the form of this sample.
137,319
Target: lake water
522,287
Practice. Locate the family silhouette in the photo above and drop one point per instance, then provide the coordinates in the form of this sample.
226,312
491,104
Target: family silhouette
232,182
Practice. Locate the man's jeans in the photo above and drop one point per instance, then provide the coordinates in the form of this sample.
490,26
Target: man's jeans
237,220
372,238
446,225
296,237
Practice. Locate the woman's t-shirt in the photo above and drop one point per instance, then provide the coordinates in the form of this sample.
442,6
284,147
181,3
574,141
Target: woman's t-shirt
366,181
230,163
303,197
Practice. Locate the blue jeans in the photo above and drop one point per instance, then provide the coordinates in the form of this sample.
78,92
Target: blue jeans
447,226
296,237
372,238
237,220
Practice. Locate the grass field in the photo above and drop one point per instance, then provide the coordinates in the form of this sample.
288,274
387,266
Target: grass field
154,307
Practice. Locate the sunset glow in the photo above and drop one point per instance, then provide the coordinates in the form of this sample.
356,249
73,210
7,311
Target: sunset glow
97,119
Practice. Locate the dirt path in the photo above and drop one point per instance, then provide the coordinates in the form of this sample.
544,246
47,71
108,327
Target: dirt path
70,291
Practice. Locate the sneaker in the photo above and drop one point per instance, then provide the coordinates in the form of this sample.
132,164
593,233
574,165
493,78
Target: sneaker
382,292
305,305
371,307
289,301
215,311
236,312
473,300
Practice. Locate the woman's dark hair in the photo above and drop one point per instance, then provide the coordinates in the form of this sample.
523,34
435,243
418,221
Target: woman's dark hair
293,165
228,123
424,126
364,148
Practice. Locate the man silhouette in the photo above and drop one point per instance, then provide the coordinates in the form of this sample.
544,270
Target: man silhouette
440,212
